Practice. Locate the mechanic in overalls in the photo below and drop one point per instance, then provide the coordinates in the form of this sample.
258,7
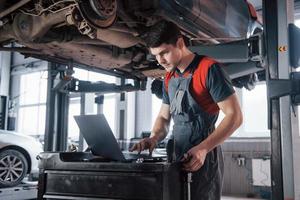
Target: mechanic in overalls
195,89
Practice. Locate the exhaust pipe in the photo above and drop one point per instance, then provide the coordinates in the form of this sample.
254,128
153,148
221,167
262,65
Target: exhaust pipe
117,38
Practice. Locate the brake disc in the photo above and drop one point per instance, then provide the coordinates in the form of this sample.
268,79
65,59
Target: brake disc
99,13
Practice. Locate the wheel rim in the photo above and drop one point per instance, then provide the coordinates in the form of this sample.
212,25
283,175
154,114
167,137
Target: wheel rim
104,8
11,169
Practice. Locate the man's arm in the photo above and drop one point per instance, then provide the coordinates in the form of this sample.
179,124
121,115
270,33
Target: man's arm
232,120
159,131
161,125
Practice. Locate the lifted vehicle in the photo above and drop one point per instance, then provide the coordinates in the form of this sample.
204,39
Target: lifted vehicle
108,34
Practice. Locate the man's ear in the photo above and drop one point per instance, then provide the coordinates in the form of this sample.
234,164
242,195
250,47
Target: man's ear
180,43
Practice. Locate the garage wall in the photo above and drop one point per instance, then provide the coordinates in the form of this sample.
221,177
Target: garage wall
238,174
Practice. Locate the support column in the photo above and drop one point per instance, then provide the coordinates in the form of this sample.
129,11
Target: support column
56,129
99,100
86,107
5,61
50,109
62,121
280,113
122,126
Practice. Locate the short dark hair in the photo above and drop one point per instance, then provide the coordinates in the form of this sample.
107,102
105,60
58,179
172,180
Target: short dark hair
162,32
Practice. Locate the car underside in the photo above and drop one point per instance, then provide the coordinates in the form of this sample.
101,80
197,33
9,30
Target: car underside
108,34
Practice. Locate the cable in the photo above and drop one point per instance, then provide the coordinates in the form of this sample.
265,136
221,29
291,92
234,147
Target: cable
27,12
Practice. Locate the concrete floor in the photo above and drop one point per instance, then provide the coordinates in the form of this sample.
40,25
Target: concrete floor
237,198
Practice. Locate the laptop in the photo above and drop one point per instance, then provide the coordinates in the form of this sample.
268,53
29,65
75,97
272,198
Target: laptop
101,140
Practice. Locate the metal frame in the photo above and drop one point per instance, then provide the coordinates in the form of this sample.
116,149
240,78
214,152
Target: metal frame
280,114
104,88
60,84
240,51
56,129
239,58
5,61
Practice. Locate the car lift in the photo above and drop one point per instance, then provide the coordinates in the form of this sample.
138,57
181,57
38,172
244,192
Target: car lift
274,50
280,46
283,120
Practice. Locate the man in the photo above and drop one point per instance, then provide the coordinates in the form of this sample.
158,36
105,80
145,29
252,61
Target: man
195,89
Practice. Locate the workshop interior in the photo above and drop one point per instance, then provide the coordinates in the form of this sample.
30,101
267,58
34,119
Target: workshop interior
79,88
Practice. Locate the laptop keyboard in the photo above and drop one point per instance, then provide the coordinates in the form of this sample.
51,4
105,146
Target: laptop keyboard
129,156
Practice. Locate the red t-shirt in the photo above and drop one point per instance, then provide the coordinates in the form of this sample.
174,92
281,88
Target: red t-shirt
209,85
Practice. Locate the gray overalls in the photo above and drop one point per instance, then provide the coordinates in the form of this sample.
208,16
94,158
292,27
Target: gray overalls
191,126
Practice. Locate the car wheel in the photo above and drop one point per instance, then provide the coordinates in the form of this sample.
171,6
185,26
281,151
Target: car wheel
13,168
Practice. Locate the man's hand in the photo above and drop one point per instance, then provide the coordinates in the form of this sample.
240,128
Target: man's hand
195,159
146,143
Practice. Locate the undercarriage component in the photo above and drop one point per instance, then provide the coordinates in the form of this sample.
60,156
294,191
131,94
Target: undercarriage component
85,29
29,28
106,34
99,13
12,8
6,33
90,54
2,3
117,38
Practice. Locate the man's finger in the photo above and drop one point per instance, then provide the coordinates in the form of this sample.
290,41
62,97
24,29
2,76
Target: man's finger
191,167
191,162
133,148
185,158
152,146
137,147
142,146
195,166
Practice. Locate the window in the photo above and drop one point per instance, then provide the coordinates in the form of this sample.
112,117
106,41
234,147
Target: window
109,104
33,88
32,103
156,104
74,109
297,23
255,112
109,110
255,109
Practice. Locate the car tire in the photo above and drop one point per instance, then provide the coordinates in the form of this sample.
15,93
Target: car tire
13,167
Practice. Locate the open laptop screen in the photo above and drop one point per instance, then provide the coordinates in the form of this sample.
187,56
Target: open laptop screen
99,136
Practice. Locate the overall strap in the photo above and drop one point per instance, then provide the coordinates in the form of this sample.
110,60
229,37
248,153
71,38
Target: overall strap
202,68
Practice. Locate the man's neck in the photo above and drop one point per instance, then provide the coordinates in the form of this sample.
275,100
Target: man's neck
186,61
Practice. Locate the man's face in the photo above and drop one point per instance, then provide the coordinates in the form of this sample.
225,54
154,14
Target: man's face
167,55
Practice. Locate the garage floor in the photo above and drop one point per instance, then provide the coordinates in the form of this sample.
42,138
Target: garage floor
237,198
